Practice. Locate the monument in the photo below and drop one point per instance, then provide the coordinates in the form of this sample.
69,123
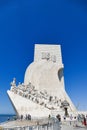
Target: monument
43,90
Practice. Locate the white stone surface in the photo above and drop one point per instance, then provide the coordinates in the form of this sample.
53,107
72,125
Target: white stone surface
24,106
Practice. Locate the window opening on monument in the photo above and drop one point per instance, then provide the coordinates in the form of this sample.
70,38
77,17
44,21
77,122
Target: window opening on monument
60,74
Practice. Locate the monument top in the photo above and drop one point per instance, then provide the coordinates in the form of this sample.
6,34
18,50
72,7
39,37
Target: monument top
48,52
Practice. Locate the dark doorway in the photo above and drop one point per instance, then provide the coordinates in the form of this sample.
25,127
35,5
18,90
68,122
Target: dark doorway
66,111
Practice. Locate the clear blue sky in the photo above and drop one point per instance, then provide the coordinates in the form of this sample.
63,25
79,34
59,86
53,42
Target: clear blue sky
26,22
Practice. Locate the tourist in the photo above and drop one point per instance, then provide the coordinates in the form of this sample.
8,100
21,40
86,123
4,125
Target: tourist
71,117
8,118
21,117
58,117
29,117
86,117
84,121
49,116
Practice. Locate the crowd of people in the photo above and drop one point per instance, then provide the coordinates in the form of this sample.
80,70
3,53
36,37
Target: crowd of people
27,117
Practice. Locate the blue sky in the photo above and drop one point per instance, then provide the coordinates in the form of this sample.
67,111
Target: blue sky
26,22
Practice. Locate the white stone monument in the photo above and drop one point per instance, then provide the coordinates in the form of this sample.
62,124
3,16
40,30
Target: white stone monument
45,79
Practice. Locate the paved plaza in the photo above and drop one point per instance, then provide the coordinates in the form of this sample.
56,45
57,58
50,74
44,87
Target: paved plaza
73,126
65,127
18,124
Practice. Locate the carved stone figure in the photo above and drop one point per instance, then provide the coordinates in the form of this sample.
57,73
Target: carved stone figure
13,83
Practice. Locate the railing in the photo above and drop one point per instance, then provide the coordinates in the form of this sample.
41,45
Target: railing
53,124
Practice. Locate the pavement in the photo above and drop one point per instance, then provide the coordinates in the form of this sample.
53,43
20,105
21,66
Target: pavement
73,126
67,125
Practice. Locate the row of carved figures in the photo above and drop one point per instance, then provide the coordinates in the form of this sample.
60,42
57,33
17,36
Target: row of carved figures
39,97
